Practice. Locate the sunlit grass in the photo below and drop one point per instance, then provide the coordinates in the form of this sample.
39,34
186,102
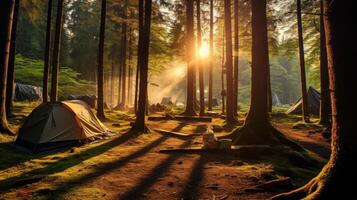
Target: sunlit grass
66,168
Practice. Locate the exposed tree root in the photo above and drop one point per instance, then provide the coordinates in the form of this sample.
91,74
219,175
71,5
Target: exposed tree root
234,122
300,193
7,131
138,129
251,134
312,190
189,113
329,184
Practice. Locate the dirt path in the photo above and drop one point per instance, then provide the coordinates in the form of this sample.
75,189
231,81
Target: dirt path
135,169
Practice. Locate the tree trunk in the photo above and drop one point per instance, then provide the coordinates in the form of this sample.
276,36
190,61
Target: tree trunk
223,90
120,79
130,72
200,62
56,51
230,116
11,67
46,63
269,95
305,104
257,129
136,89
325,104
6,15
258,113
100,79
190,45
335,181
141,24
123,58
112,82
195,69
144,61
236,56
211,60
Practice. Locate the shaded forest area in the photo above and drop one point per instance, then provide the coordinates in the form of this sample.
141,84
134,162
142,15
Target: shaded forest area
176,99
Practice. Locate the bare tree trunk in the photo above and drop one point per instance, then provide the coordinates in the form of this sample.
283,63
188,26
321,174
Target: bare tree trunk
120,79
257,129
140,125
269,95
56,52
11,68
141,24
130,72
112,82
46,66
100,79
199,63
190,45
136,89
258,113
223,89
6,16
305,104
325,103
230,117
236,56
124,54
334,181
195,69
211,60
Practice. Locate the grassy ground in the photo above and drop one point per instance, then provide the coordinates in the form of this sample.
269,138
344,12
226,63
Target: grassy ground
30,71
129,166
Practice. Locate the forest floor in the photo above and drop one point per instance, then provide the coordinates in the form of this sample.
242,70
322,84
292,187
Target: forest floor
133,167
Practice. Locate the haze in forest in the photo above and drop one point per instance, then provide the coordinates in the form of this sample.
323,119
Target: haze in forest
177,99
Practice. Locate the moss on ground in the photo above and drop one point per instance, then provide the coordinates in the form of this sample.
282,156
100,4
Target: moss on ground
65,168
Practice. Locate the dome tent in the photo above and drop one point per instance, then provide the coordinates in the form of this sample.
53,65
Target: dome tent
59,124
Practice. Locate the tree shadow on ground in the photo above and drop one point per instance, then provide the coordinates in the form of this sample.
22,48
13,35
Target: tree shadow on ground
191,189
150,179
67,162
280,165
66,187
200,128
9,150
322,151
179,127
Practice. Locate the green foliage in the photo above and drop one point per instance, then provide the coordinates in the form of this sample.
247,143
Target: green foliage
30,71
83,23
311,23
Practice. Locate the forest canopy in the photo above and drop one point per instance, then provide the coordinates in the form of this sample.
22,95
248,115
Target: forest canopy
81,32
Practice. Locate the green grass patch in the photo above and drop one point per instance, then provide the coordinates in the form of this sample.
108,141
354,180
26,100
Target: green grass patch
30,71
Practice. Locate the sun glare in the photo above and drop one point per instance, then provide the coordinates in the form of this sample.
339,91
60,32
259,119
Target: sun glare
179,71
203,51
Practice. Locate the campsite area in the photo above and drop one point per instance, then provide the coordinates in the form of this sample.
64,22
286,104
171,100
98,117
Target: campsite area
177,100
132,167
